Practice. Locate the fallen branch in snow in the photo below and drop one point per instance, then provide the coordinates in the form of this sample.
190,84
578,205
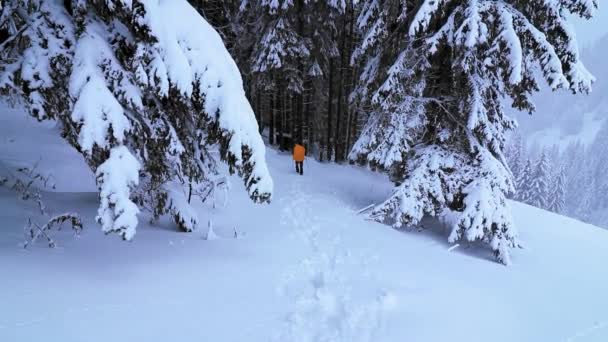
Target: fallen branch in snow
453,247
27,185
209,190
361,211
33,230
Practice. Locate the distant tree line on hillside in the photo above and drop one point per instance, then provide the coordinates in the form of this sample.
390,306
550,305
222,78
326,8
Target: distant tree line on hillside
569,180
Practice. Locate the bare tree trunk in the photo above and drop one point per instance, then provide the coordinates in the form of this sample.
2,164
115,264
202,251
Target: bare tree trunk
281,116
351,80
330,95
259,111
355,130
307,117
348,134
293,101
300,97
339,97
299,119
273,114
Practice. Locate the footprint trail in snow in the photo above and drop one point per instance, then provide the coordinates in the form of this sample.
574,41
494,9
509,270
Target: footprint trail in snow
330,291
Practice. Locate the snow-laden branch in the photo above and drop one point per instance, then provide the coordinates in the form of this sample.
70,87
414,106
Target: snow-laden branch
143,89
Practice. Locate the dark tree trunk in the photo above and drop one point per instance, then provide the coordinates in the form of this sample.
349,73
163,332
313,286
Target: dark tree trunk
351,80
329,147
292,117
339,97
273,107
280,102
299,105
355,127
259,111
307,116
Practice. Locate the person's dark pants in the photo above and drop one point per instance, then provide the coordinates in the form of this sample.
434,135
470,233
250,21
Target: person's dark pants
300,167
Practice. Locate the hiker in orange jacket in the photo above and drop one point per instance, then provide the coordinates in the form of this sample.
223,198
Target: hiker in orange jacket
299,153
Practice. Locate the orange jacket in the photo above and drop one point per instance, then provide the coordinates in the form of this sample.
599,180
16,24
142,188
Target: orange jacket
298,153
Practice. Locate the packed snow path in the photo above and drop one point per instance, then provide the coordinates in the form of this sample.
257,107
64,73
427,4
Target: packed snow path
326,307
304,268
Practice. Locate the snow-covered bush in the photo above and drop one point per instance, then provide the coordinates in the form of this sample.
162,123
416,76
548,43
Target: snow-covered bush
143,89
438,124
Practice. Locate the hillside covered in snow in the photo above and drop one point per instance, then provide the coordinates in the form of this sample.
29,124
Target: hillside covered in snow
305,267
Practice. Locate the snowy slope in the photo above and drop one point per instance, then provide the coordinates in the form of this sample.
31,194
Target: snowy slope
304,268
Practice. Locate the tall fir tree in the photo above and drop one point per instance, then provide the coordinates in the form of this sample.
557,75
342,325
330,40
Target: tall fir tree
446,142
557,198
280,47
524,183
585,201
515,156
573,158
539,188
597,159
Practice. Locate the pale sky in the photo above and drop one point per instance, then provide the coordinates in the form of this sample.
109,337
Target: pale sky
588,31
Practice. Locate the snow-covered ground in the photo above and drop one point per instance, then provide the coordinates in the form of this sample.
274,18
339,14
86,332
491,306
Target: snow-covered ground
304,268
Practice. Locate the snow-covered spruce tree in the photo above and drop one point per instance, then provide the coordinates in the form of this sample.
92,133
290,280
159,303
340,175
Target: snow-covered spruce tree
524,183
557,199
515,156
448,157
143,89
577,165
597,159
280,48
585,195
391,83
539,188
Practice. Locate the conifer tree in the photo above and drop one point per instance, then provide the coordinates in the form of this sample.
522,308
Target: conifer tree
557,198
447,149
576,163
524,183
515,158
280,47
585,200
539,190
597,159
143,90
